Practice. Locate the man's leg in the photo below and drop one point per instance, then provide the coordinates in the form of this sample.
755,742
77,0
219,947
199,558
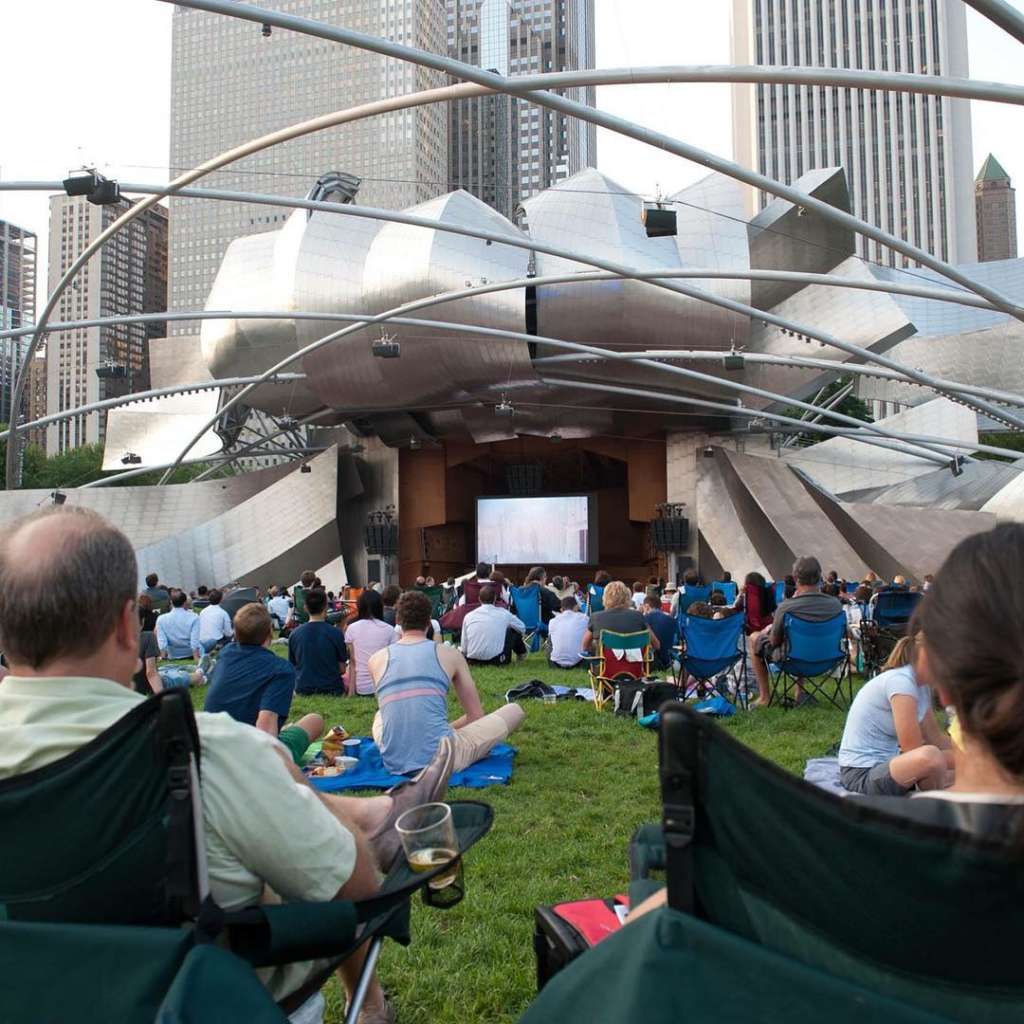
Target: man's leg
514,644
475,740
761,673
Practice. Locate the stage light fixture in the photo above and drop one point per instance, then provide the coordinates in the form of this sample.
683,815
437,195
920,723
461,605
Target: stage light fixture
266,30
733,361
556,438
657,221
709,452
414,444
305,468
504,408
58,497
386,347
131,459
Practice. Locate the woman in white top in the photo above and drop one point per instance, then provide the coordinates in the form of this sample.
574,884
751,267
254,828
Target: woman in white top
365,635
972,653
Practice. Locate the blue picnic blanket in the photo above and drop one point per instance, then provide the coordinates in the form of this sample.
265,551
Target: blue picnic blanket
493,770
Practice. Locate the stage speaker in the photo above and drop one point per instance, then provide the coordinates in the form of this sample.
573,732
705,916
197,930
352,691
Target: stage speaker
382,539
670,534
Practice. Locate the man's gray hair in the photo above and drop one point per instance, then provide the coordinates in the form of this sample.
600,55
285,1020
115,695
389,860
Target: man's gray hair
67,601
807,571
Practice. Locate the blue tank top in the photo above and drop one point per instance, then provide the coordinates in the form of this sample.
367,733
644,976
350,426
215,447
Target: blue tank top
413,699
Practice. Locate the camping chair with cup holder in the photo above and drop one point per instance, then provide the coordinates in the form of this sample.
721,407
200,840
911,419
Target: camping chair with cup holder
714,654
883,623
621,657
728,588
789,905
595,599
815,656
527,605
105,911
690,595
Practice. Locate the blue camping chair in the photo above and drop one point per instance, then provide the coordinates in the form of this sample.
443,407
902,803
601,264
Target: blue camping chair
710,649
595,598
780,591
851,587
730,590
883,624
526,602
687,596
812,653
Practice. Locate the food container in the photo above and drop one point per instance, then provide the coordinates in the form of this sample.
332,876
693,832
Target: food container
346,764
351,747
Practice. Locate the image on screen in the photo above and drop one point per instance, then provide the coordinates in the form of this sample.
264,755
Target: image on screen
535,531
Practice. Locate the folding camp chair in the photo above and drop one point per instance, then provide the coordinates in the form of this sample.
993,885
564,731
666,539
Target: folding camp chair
711,649
726,587
609,667
815,656
105,913
779,590
689,595
788,905
436,596
758,607
882,625
526,602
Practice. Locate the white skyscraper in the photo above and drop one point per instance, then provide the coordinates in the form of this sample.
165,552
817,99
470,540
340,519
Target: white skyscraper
502,149
230,83
907,157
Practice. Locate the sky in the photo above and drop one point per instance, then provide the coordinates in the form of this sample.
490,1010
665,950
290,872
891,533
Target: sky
97,91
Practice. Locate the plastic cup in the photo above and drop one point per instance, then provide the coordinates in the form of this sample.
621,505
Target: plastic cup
352,747
550,700
429,840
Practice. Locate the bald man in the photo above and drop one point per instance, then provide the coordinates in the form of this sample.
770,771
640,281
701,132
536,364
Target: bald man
71,679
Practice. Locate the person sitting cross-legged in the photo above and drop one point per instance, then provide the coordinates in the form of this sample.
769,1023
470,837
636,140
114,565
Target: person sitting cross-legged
317,650
215,626
177,631
412,678
566,631
253,685
491,635
265,829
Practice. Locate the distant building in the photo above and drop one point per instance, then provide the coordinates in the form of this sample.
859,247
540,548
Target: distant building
995,203
128,276
907,157
502,149
230,83
17,304
35,401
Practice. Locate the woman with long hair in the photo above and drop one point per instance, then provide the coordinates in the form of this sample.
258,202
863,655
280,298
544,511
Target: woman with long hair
365,635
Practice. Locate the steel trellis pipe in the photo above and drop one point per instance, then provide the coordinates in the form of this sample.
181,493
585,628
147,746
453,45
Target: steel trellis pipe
423,58
1000,13
704,355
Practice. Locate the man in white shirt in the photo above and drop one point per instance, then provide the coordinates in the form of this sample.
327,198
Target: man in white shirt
71,679
279,607
491,635
566,632
214,622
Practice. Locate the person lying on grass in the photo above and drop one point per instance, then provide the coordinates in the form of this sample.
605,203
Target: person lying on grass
412,677
892,743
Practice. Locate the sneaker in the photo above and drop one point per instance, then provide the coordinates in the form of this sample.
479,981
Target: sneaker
383,1014
430,786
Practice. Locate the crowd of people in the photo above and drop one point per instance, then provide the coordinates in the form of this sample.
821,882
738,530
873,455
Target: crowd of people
72,677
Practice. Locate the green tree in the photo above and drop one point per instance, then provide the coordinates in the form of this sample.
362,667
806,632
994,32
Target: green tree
851,406
1014,441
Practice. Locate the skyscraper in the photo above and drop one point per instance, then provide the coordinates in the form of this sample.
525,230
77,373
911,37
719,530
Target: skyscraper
230,83
127,276
996,206
907,157
17,303
501,149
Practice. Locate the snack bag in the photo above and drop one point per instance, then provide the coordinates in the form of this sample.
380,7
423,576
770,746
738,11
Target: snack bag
332,743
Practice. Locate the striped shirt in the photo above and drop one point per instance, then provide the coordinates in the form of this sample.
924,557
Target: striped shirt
413,699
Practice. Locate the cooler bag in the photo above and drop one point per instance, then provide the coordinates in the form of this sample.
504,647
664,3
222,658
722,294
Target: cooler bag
564,931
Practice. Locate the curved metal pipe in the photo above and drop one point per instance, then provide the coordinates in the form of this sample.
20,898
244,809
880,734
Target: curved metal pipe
499,83
1000,13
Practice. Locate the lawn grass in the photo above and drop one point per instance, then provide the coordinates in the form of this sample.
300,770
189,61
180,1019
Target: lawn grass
583,782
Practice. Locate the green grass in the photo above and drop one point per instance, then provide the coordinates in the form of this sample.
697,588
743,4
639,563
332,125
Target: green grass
583,782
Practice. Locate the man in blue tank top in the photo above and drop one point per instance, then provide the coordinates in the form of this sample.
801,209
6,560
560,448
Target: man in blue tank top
411,679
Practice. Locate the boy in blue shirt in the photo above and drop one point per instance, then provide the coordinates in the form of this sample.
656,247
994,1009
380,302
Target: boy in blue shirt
665,628
253,685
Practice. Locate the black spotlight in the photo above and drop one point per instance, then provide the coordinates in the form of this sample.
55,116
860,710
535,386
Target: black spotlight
733,361
657,221
504,408
131,459
58,497
386,348
266,30
709,452
305,468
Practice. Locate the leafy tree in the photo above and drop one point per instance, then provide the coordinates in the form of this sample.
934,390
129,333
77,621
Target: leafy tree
851,406
1014,441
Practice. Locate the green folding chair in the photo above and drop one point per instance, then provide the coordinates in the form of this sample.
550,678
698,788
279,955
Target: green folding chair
105,913
789,904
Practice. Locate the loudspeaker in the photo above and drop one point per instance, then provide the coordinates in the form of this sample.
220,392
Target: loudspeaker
670,534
